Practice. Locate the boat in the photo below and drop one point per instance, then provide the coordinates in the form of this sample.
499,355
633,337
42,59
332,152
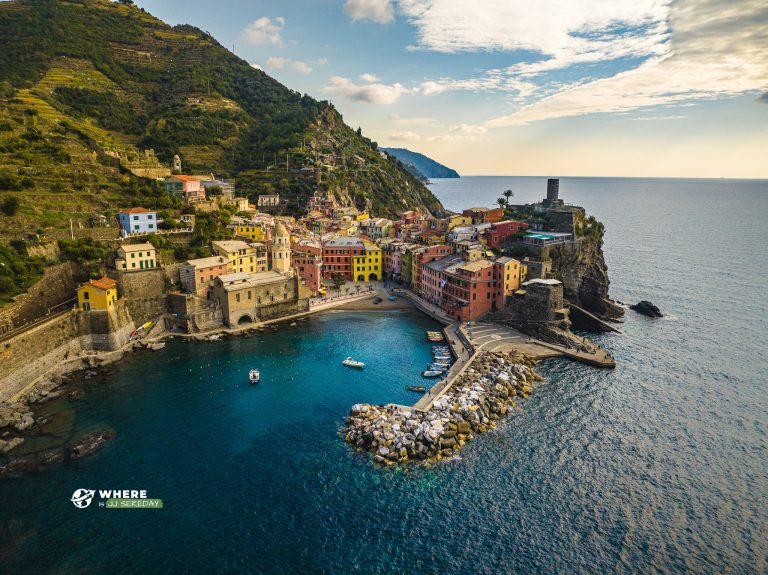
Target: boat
436,339
432,373
392,298
432,333
254,376
349,362
433,367
419,388
441,357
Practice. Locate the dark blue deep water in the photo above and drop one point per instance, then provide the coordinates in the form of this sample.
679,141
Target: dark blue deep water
656,467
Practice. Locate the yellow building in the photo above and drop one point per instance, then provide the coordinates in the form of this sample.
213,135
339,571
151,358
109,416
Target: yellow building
368,265
98,294
253,231
136,257
245,258
362,216
458,220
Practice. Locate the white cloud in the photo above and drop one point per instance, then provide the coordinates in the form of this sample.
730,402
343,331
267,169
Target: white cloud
258,67
265,31
404,136
382,94
380,11
558,32
398,121
279,63
716,50
469,130
368,78
656,118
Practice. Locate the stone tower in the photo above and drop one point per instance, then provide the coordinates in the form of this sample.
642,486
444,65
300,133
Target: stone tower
176,164
281,249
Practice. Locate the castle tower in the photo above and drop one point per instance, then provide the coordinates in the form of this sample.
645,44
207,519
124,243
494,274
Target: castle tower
176,164
281,249
553,189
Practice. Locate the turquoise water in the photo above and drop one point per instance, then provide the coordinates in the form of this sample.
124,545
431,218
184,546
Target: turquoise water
655,467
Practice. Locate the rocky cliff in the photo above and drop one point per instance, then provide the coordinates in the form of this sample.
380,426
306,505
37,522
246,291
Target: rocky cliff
584,274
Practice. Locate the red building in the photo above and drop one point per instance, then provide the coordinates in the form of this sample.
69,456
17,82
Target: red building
429,254
337,256
464,290
309,268
501,232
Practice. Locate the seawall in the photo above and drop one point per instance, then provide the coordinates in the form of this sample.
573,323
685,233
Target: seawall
33,353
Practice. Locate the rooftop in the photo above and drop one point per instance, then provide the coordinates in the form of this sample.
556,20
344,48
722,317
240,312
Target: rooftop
230,245
234,282
137,247
476,265
210,262
546,282
103,283
344,241
137,211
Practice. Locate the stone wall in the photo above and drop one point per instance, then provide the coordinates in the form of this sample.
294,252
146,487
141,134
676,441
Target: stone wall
34,352
146,291
55,288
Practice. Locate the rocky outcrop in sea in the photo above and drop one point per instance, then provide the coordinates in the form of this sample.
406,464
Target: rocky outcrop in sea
481,396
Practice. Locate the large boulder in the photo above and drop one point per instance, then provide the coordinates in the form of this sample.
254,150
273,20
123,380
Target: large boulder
647,308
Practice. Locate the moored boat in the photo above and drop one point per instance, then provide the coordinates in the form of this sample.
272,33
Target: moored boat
419,388
254,376
432,373
349,362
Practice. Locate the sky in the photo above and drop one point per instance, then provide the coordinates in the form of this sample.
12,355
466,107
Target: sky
666,88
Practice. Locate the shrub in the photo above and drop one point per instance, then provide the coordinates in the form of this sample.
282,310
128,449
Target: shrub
10,205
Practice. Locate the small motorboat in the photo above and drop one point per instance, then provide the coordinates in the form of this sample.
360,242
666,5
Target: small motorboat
349,362
419,388
254,376
432,373
433,333
434,367
441,357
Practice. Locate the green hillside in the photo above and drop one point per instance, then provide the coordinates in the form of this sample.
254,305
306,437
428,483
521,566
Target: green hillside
88,87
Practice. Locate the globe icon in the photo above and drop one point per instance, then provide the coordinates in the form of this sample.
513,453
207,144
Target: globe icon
82,497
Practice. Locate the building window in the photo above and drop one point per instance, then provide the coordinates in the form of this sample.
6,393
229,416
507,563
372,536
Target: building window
86,295
237,297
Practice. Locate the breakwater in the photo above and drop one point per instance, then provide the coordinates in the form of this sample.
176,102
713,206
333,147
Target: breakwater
481,395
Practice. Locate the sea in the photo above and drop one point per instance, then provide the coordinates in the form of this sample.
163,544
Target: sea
658,466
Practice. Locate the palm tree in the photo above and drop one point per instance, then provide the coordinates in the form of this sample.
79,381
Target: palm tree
502,203
508,194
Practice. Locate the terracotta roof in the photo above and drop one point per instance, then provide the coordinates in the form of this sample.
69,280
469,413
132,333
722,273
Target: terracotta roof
186,178
137,211
103,283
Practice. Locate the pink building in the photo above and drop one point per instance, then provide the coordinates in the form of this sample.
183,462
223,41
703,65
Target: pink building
429,254
197,275
310,269
186,187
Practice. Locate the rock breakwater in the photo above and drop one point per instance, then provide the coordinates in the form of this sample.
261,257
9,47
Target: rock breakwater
481,396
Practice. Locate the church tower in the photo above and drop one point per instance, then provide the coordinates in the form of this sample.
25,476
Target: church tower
281,249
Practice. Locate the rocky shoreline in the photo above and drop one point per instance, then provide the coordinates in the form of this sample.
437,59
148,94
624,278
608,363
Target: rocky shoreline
483,394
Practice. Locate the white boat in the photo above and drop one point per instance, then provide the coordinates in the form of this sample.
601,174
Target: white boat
349,362
254,376
432,373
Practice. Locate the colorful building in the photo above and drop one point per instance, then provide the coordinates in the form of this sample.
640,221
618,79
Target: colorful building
501,232
197,275
100,294
310,269
136,257
367,265
188,188
245,258
426,255
254,231
137,221
508,275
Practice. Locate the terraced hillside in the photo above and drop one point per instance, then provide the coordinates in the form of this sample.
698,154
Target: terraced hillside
95,95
